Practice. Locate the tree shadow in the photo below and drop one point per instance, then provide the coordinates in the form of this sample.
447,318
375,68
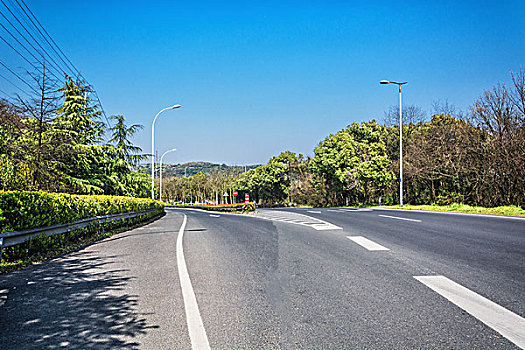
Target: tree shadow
76,301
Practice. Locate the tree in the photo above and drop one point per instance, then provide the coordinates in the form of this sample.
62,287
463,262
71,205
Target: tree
443,161
411,115
79,128
41,111
120,136
442,107
79,116
500,112
13,156
267,184
352,164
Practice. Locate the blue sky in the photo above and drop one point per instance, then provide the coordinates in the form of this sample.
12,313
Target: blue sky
255,79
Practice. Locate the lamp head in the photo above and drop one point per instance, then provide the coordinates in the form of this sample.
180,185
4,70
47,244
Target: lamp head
176,106
384,82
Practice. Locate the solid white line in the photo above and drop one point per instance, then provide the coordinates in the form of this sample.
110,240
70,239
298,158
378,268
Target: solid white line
314,211
493,216
198,337
505,322
366,243
396,217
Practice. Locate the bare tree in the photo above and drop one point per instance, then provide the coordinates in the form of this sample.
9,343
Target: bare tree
411,115
41,111
443,107
518,94
499,112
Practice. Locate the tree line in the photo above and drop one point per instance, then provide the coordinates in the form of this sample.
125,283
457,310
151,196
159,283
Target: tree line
475,158
54,141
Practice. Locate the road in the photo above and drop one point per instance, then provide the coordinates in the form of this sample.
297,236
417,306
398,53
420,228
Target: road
280,279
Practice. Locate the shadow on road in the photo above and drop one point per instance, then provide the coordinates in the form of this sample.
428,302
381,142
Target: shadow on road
76,301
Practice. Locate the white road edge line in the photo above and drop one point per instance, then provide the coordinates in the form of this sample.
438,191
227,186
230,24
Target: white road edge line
505,322
396,217
198,337
366,243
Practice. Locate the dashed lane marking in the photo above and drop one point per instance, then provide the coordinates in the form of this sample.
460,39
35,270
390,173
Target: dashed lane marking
505,322
198,337
314,211
397,217
215,216
366,243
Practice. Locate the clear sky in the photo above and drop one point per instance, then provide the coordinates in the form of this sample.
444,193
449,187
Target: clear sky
258,78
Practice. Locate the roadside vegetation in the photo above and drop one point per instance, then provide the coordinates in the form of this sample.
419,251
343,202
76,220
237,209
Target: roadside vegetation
58,142
476,158
230,208
511,210
20,210
55,142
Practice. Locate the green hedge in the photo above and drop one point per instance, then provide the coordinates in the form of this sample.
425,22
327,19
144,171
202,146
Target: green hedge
21,210
237,207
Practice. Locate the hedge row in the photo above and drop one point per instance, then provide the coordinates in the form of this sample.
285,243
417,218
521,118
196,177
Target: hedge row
45,247
21,210
237,207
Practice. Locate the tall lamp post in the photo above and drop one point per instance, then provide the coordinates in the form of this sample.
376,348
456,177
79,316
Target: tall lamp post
160,170
153,149
400,139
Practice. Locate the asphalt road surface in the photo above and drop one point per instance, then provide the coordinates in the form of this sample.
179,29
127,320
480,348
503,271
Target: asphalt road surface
279,279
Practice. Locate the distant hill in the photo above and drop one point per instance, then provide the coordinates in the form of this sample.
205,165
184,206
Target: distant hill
192,168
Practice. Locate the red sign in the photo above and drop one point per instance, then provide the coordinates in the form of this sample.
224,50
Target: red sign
235,193
246,198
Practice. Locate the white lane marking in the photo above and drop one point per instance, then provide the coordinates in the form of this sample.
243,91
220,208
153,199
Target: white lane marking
397,217
297,219
3,296
366,243
215,216
198,337
314,211
336,210
492,216
505,322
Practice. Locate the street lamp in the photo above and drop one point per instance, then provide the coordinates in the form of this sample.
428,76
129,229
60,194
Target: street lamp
400,139
153,149
163,154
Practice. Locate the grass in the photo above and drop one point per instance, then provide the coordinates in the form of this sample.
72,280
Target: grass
462,208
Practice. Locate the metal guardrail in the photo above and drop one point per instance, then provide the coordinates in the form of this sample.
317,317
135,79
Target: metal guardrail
8,239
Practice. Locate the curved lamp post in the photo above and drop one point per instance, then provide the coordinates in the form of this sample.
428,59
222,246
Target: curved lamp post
160,170
400,139
153,149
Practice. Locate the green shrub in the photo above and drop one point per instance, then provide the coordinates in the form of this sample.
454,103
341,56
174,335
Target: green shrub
236,207
21,210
